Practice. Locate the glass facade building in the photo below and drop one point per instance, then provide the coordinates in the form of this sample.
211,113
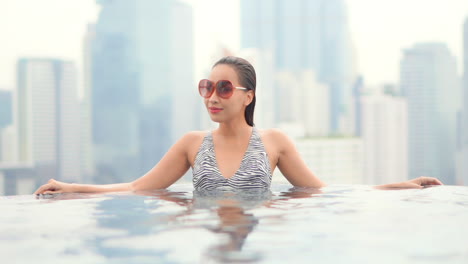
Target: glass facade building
141,68
306,35
429,81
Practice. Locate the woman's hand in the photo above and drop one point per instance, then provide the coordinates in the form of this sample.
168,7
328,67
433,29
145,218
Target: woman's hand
423,182
53,186
417,183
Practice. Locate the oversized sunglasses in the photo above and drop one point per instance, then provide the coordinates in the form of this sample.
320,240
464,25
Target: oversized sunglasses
224,88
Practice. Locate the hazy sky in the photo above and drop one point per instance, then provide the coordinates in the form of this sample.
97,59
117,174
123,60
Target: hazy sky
380,30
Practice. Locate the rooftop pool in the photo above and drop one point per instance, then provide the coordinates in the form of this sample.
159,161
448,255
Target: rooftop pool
336,224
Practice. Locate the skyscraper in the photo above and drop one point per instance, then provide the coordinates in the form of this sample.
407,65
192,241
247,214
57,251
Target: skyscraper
383,126
87,161
463,158
306,35
115,93
304,101
6,115
142,86
5,118
429,80
8,143
337,160
465,87
47,118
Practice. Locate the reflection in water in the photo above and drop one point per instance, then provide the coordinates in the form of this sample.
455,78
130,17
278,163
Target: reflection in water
352,224
237,225
297,192
234,224
139,215
234,221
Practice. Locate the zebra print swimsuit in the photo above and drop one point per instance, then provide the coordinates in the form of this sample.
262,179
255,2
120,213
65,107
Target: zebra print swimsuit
254,171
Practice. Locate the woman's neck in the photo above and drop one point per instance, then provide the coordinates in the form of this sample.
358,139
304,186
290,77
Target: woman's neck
234,129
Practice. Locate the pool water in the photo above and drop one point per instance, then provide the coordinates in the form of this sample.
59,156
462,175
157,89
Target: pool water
336,224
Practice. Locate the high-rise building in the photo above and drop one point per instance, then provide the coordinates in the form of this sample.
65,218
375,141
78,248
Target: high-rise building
6,115
8,143
114,93
17,178
47,118
384,133
465,87
429,80
87,165
306,35
336,160
462,159
142,97
304,101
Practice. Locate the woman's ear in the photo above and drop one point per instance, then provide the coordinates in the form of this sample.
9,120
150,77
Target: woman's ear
249,98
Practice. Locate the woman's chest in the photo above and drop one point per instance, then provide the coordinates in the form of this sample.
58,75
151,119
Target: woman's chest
228,158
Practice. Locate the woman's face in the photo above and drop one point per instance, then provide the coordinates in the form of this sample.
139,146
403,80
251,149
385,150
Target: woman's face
222,110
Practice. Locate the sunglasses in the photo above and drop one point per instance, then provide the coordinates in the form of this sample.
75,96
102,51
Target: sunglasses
224,88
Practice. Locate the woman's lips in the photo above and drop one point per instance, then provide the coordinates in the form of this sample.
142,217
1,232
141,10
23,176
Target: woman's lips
214,110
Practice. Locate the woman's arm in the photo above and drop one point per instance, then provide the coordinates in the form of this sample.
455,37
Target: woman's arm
171,167
291,164
54,186
168,170
418,183
298,174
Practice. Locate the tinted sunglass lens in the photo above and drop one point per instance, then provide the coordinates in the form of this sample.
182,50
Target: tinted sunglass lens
224,89
205,87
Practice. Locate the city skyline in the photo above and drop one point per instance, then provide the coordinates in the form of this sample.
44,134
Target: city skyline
305,35
137,84
139,61
386,28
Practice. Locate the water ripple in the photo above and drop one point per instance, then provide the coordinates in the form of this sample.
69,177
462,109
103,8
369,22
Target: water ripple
336,224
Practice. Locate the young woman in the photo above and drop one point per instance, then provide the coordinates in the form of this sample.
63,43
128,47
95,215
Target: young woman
236,156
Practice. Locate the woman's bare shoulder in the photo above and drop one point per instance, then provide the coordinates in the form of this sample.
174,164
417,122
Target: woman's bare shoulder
273,134
196,134
192,141
193,136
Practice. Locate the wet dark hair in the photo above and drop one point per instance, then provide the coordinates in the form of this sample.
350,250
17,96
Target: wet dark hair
247,78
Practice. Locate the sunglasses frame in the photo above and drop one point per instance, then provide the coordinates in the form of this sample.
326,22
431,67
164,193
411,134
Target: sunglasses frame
216,87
